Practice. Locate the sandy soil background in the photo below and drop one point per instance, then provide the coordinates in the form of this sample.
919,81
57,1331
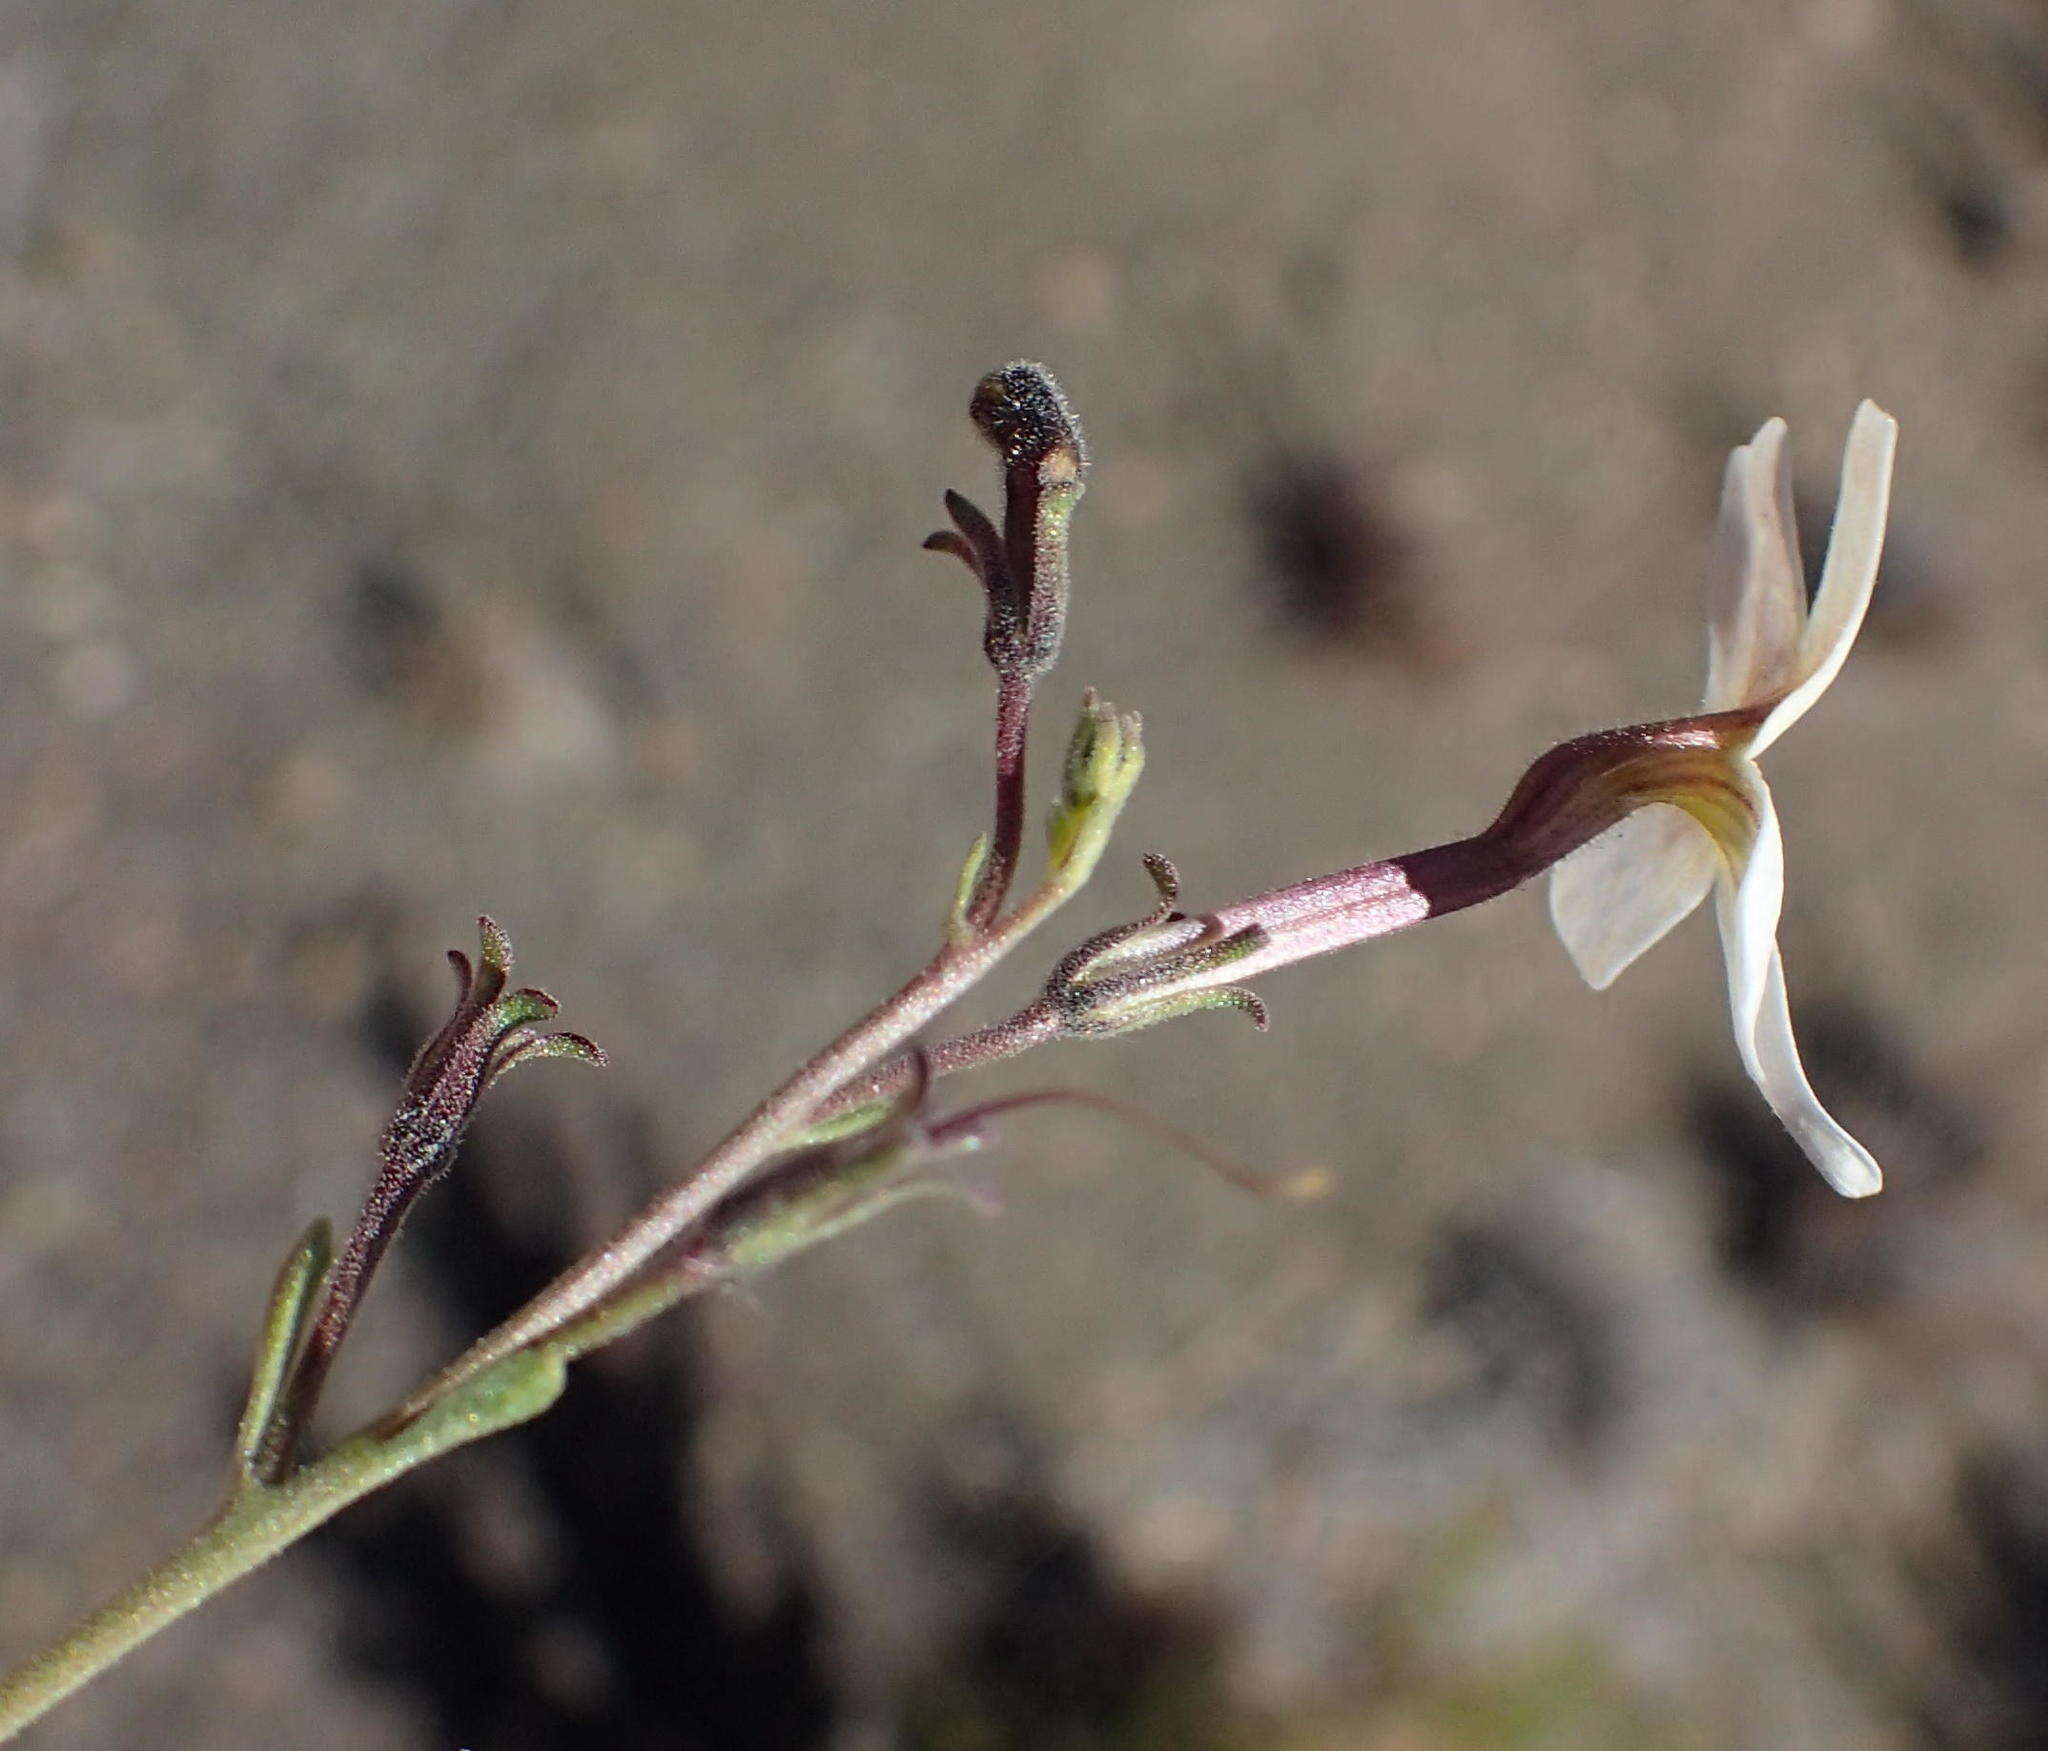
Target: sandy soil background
472,456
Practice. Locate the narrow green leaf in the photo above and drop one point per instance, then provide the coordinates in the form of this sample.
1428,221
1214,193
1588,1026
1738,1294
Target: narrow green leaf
958,930
298,1284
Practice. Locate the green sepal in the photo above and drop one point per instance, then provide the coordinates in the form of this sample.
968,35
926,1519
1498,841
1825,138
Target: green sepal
1131,1014
525,1006
494,944
584,1050
298,1285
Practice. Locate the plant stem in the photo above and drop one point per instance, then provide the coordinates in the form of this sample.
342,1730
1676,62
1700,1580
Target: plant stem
513,1373
259,1520
1036,1024
773,1126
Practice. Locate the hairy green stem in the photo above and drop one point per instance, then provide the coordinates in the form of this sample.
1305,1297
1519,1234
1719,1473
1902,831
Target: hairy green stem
513,1373
258,1520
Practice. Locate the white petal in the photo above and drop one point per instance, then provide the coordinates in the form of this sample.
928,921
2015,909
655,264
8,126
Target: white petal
1851,570
1614,897
1749,908
1756,589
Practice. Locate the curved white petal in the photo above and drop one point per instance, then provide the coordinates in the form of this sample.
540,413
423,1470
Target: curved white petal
1756,587
1615,896
1749,906
1850,573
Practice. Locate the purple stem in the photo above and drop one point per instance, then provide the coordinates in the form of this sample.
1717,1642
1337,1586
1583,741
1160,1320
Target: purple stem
1006,842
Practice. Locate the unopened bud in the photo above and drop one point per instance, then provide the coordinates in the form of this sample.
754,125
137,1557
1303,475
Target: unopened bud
1023,413
1022,569
1104,761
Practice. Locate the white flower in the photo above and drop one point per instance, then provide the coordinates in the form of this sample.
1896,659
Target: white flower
1770,657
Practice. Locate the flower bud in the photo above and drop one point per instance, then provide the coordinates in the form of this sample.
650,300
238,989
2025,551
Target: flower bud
1022,569
1104,761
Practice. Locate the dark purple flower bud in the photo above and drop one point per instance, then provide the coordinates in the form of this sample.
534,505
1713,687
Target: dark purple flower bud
1022,568
491,1030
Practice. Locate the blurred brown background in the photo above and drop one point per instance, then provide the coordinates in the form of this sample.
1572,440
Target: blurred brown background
472,456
